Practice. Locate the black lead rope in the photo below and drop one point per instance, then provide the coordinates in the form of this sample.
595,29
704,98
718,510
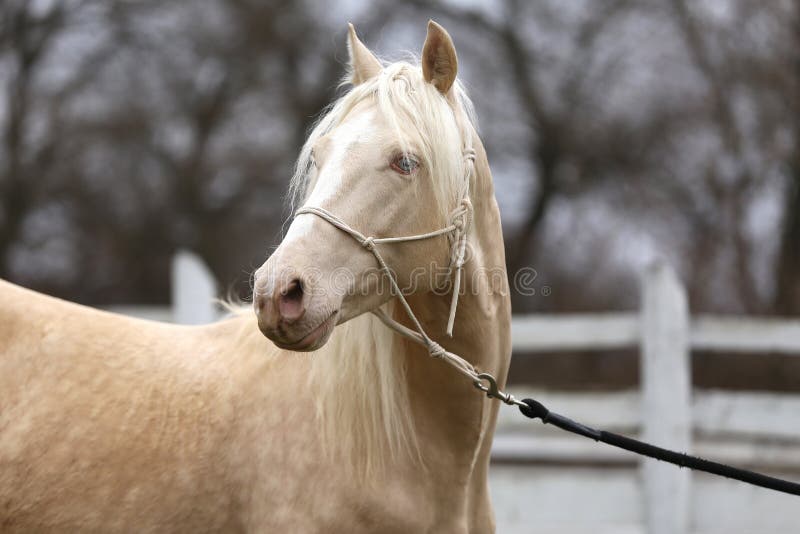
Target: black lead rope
535,409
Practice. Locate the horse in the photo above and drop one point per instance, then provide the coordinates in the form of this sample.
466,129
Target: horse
304,413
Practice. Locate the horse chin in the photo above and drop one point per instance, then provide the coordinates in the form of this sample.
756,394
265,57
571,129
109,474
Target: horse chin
311,341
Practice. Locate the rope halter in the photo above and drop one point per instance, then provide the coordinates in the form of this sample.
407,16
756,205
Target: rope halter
457,233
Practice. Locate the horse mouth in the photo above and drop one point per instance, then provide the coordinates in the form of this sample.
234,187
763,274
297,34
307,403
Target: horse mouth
313,339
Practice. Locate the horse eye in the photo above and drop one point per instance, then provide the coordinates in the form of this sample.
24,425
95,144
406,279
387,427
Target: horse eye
405,164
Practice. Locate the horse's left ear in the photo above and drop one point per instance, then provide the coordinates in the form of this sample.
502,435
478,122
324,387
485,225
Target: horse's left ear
439,61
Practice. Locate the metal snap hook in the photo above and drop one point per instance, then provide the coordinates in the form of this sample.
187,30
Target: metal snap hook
492,391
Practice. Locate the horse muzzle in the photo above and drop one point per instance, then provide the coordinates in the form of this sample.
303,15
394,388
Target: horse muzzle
291,313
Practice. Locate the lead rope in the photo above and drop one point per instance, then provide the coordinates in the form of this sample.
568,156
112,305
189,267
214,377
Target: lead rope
535,409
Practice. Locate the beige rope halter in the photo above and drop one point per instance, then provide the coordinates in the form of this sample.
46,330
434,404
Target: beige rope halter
457,230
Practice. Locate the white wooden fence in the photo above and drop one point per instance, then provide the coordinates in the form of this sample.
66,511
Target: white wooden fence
754,430
668,414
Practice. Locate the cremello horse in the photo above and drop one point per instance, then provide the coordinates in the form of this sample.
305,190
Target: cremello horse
112,424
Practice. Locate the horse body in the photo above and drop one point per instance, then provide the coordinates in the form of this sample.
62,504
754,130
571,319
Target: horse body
108,422
136,425
113,424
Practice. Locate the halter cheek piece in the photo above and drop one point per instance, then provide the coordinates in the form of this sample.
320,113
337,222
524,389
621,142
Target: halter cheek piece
460,220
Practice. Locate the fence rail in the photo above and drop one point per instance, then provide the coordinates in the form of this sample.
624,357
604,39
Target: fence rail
602,331
599,331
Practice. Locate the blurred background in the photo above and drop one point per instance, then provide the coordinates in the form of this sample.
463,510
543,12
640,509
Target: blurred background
619,132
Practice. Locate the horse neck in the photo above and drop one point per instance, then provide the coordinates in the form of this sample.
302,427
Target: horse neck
447,403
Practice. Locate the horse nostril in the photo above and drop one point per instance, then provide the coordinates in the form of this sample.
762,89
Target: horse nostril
290,301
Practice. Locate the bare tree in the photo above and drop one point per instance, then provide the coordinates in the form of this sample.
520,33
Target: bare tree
787,271
25,35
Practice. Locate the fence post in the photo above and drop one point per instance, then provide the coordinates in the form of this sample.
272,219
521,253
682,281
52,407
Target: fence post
193,290
666,389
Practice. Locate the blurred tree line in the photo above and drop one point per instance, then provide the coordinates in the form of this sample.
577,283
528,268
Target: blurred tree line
618,131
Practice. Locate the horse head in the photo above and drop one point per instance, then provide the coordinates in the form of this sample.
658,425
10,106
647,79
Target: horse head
386,160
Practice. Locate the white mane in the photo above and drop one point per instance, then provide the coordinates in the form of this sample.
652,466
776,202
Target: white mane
359,375
363,408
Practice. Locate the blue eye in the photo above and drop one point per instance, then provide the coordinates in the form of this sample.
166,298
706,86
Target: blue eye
405,164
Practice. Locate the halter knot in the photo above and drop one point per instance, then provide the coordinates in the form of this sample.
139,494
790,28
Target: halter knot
460,216
436,350
369,243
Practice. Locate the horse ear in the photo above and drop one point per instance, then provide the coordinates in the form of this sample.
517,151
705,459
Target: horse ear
363,64
439,61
